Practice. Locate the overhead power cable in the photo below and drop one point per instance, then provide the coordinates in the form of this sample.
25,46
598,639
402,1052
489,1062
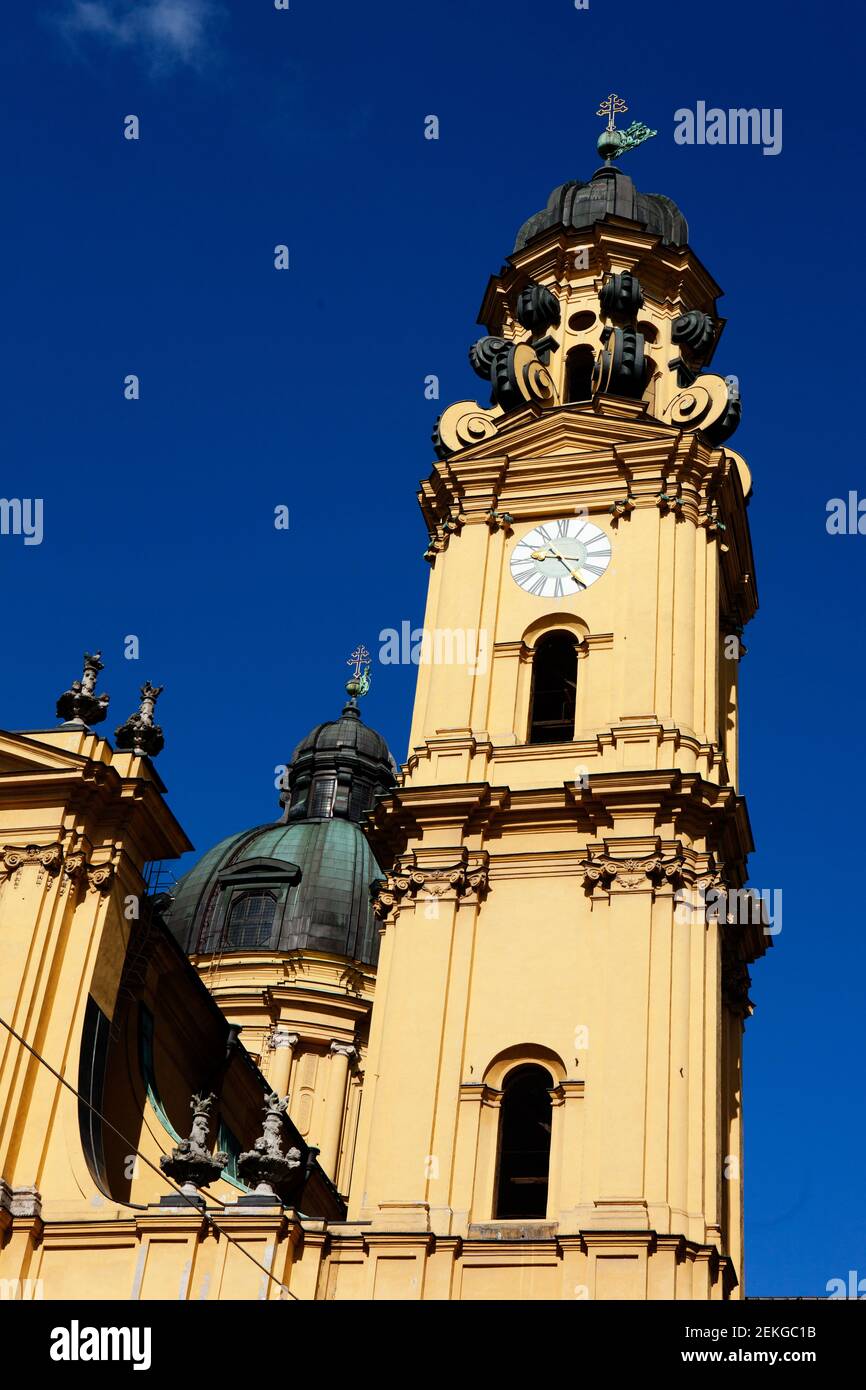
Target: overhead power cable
131,1148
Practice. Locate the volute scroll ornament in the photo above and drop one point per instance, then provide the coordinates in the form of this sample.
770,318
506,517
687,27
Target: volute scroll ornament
620,368
463,882
537,307
45,858
516,374
695,332
74,869
463,424
100,877
711,404
655,870
620,297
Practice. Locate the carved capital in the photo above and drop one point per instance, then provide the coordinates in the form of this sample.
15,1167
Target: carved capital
653,870
281,1037
75,865
100,877
343,1049
44,858
462,883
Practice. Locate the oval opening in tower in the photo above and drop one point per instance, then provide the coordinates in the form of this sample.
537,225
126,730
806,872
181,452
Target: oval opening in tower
581,321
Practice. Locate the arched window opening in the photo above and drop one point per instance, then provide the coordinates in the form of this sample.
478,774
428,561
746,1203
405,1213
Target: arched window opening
554,689
251,920
578,373
524,1145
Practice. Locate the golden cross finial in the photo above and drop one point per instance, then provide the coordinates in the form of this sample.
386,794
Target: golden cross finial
611,107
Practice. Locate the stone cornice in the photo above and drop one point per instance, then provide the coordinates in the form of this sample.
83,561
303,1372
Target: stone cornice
114,790
397,817
698,809
590,745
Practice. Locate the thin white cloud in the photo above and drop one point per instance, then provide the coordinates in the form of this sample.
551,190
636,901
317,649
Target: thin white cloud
167,32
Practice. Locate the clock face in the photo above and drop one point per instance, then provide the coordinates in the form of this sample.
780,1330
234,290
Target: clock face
560,558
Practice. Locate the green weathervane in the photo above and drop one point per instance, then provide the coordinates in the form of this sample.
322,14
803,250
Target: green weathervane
612,142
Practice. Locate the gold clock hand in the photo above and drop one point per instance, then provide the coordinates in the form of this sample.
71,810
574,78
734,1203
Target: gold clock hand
549,554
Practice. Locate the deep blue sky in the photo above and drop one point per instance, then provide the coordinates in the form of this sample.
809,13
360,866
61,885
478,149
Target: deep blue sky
306,388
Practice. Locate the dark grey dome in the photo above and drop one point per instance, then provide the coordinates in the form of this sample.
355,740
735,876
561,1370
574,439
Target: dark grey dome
281,888
339,769
576,205
346,732
304,882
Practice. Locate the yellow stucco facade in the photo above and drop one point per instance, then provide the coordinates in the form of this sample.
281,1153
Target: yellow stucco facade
543,907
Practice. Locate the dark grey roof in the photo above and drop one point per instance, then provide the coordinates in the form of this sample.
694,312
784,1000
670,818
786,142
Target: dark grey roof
315,864
347,751
610,191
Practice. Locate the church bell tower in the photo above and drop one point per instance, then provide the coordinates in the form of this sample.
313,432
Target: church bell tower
552,1103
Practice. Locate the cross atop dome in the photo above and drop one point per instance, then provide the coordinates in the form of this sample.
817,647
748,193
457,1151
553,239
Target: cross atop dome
612,142
359,683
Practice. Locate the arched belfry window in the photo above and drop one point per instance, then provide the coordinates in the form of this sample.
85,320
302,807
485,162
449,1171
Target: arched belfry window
554,689
524,1144
578,373
251,920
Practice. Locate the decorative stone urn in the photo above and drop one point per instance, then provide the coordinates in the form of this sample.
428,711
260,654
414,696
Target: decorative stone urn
270,1172
191,1162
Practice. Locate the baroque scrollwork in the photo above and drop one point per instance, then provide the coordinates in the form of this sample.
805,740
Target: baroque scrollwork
45,858
50,860
620,368
465,882
694,331
515,372
100,877
711,404
537,307
463,424
655,870
620,297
